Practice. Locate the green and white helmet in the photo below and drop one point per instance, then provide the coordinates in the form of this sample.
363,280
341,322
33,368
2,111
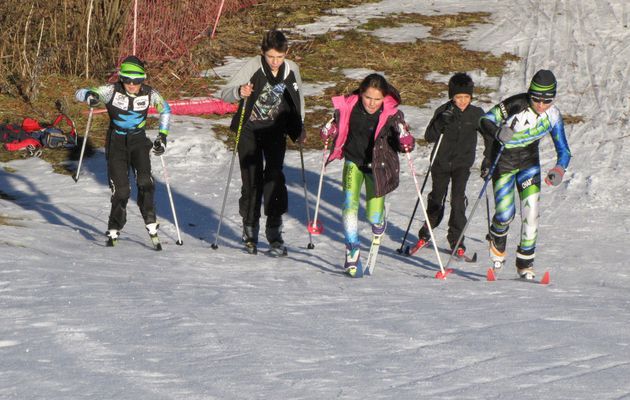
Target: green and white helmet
132,67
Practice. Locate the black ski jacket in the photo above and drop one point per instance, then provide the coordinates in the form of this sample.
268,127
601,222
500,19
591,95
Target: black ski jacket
459,143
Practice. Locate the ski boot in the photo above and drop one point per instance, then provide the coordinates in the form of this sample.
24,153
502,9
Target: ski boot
379,229
276,243
525,263
112,237
152,229
497,250
460,252
420,244
526,273
250,238
352,267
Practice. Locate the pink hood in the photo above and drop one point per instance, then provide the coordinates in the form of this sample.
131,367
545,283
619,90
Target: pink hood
345,104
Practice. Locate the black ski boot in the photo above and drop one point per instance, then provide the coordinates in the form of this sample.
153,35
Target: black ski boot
250,238
273,232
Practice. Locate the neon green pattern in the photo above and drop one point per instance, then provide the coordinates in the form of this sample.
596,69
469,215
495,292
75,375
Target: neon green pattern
353,179
131,70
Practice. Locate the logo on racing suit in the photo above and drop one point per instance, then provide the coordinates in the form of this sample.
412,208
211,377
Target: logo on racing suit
141,103
120,101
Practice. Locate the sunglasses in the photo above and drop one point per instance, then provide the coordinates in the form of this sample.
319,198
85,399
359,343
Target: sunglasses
135,81
540,100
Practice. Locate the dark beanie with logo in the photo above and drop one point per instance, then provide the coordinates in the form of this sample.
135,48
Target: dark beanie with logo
543,85
460,83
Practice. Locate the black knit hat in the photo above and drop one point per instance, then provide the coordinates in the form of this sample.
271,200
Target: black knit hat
460,83
543,85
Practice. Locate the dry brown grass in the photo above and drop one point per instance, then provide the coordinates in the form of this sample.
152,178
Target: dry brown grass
405,64
321,59
239,35
438,23
569,119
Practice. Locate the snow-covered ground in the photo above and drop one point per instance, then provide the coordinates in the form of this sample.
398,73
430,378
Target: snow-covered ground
82,321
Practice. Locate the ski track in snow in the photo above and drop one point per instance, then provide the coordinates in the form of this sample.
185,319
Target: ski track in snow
83,321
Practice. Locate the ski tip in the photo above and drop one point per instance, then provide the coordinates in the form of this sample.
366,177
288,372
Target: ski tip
443,275
490,277
545,279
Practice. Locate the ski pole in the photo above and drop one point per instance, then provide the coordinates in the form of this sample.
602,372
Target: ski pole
442,273
170,198
488,237
227,186
481,193
308,211
314,227
85,138
426,178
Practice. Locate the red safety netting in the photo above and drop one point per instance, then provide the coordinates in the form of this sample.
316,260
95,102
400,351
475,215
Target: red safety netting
166,30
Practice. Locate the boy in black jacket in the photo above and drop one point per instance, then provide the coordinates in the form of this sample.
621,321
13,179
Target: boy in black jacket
270,87
454,127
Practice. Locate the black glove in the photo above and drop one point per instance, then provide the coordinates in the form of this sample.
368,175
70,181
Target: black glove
447,116
485,168
91,99
159,144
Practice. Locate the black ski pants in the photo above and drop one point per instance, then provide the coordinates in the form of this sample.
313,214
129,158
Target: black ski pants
124,152
458,178
261,158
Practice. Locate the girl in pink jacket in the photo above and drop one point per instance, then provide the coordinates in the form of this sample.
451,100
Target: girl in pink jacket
368,131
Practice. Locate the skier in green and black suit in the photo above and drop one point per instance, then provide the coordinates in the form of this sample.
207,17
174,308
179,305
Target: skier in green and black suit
127,146
518,123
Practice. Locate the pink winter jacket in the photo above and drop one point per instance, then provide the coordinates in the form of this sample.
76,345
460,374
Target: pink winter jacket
385,165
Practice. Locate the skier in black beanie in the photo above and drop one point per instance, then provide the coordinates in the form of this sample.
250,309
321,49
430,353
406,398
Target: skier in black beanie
517,124
454,126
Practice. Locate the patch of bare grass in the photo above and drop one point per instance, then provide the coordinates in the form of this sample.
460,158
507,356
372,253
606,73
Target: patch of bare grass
321,59
572,119
239,35
406,65
438,23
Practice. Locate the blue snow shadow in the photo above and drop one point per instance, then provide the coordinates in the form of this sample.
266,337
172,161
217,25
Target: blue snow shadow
199,218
